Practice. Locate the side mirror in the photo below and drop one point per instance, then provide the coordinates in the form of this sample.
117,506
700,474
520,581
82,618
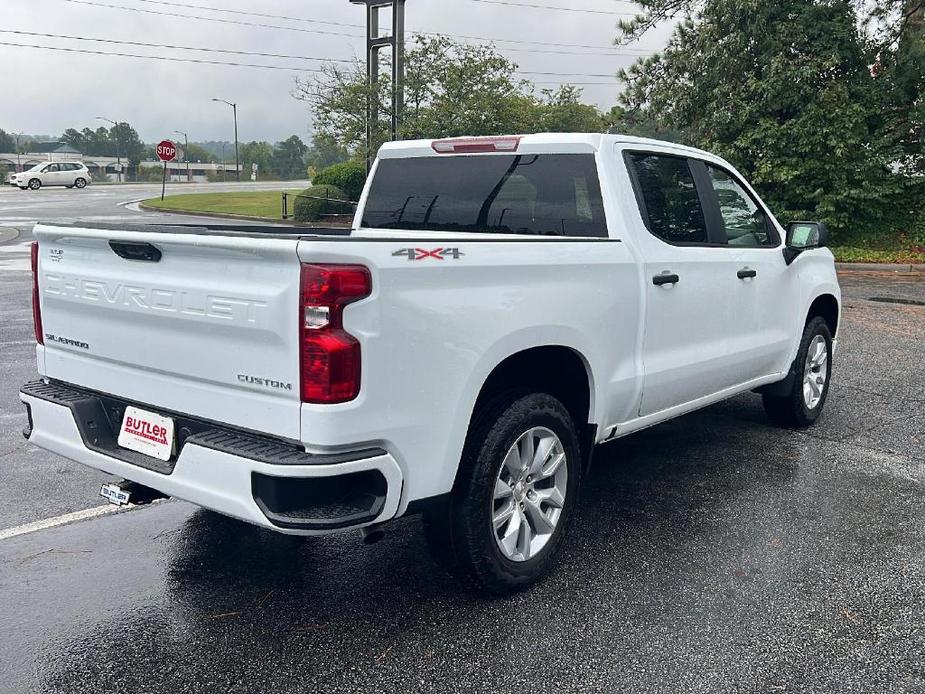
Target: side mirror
803,236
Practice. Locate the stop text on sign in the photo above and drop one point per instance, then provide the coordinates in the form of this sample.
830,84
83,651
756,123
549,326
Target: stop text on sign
166,150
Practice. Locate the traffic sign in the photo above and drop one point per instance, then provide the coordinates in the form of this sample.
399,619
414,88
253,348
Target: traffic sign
166,150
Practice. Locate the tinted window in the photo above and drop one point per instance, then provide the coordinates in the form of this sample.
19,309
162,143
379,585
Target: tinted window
672,205
555,194
745,223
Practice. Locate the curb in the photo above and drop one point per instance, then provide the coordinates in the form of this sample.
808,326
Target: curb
8,234
880,267
217,215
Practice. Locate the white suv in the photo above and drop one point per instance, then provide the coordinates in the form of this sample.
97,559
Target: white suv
67,174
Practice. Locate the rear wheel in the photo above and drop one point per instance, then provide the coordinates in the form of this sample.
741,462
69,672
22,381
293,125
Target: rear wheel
810,377
80,183
35,184
514,496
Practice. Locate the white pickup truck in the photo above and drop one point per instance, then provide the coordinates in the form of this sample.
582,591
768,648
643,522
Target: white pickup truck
500,306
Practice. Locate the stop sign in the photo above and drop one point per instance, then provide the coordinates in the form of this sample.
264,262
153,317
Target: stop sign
166,150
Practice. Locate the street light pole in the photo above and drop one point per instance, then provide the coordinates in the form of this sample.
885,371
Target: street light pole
118,155
18,158
189,179
237,167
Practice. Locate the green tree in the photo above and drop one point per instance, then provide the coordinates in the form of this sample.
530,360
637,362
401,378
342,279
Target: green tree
259,153
784,90
451,89
7,143
196,153
324,152
289,158
561,111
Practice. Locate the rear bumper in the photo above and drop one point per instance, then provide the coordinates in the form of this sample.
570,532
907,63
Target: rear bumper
265,482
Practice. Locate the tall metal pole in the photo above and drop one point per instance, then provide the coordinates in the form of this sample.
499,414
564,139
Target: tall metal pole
374,43
398,66
237,167
118,155
18,158
189,179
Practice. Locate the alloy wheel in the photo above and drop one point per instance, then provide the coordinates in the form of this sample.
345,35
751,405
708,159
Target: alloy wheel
815,372
529,494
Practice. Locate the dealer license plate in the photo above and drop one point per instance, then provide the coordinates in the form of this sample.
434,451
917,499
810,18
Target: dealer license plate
147,433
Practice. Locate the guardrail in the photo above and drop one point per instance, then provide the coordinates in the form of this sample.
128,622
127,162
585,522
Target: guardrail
288,210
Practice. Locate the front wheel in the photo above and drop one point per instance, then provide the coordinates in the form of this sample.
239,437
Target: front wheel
811,373
514,495
35,184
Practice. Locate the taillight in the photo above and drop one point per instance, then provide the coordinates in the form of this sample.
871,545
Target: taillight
36,306
330,356
476,145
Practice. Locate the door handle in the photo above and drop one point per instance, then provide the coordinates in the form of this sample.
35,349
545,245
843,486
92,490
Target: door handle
136,250
745,273
669,278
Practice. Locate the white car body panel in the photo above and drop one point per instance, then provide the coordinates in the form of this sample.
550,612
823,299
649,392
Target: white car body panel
179,333
48,177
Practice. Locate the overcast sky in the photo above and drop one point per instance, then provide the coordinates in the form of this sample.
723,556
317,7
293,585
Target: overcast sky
45,92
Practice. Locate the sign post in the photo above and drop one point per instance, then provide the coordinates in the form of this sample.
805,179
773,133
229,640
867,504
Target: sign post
166,151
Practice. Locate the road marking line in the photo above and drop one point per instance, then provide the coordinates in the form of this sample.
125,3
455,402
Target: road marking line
94,512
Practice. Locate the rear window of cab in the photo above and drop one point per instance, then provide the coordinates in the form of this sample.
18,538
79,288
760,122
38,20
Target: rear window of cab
534,194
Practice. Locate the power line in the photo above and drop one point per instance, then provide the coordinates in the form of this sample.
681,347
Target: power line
291,68
160,57
561,74
558,9
609,51
172,47
252,14
606,51
212,19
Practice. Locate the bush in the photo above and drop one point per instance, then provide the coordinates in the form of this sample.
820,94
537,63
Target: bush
320,200
349,177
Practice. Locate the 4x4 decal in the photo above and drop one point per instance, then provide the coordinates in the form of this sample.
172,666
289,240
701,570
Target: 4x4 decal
435,253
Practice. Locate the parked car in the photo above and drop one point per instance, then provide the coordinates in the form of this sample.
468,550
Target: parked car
67,174
500,306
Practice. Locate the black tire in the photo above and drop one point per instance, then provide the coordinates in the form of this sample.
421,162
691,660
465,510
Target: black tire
35,184
80,183
791,410
460,532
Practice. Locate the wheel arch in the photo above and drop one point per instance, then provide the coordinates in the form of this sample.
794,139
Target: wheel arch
558,370
825,306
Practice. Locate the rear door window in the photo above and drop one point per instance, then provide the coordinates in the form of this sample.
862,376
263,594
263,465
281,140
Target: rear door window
539,194
669,199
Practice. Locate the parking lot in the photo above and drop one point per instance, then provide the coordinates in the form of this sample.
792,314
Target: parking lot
714,553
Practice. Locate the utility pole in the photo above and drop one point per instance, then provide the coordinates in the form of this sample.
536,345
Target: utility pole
189,179
118,156
374,43
237,167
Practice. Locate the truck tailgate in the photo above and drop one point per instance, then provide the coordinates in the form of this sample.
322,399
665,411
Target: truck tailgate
208,329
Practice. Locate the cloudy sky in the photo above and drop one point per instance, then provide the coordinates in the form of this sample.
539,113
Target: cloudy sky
46,91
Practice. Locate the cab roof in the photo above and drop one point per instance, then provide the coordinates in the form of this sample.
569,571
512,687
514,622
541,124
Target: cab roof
536,143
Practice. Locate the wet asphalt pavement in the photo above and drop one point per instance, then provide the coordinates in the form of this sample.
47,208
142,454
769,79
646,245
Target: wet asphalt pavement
714,553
